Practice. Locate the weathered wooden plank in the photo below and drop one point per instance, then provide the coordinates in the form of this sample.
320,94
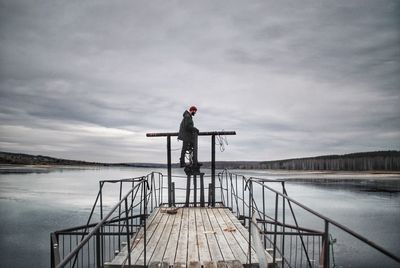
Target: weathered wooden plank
223,244
193,235
160,249
138,246
193,249
204,252
182,249
169,254
151,221
231,235
154,240
215,251
243,231
242,235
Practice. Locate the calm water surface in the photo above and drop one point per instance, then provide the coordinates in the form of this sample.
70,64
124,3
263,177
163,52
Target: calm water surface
33,205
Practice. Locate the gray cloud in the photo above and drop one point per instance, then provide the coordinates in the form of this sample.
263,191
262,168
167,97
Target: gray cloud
88,80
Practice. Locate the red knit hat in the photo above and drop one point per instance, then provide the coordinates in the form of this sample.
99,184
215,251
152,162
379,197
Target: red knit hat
193,108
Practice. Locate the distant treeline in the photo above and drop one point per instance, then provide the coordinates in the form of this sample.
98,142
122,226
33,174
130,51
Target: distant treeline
380,161
27,159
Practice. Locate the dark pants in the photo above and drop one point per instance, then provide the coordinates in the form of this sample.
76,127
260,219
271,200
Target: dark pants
187,146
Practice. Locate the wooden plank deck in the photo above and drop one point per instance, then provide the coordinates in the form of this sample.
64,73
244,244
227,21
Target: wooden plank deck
193,237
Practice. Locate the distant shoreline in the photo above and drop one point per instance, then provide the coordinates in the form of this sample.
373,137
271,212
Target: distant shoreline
20,169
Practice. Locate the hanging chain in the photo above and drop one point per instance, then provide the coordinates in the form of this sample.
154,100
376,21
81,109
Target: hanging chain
221,141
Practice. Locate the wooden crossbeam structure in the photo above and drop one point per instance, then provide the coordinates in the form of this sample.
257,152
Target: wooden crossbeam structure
213,134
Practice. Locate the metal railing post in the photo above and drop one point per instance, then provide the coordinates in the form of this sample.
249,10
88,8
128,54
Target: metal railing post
119,218
52,259
209,194
151,193
173,192
127,232
201,189
326,245
188,190
169,170
230,180
101,200
237,197
212,170
221,181
276,226
283,227
54,249
145,220
101,218
132,201
264,224
161,187
98,242
250,215
153,180
194,190
243,190
227,189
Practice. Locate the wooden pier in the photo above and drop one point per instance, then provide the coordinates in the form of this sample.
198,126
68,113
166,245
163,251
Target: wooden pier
195,235
191,237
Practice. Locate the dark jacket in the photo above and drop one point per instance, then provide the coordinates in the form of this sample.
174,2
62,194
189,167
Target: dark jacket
186,129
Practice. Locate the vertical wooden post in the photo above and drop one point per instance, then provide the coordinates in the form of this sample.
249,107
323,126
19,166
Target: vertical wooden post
169,171
212,190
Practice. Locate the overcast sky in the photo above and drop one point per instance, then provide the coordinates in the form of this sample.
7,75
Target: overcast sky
87,79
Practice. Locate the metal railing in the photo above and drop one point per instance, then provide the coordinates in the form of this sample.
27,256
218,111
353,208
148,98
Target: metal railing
95,244
98,243
288,243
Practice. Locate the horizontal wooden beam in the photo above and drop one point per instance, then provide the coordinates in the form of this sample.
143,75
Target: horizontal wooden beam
207,133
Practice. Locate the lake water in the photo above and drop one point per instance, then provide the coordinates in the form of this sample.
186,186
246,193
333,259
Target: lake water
32,205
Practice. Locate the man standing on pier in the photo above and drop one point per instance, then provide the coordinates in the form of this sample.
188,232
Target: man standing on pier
188,134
